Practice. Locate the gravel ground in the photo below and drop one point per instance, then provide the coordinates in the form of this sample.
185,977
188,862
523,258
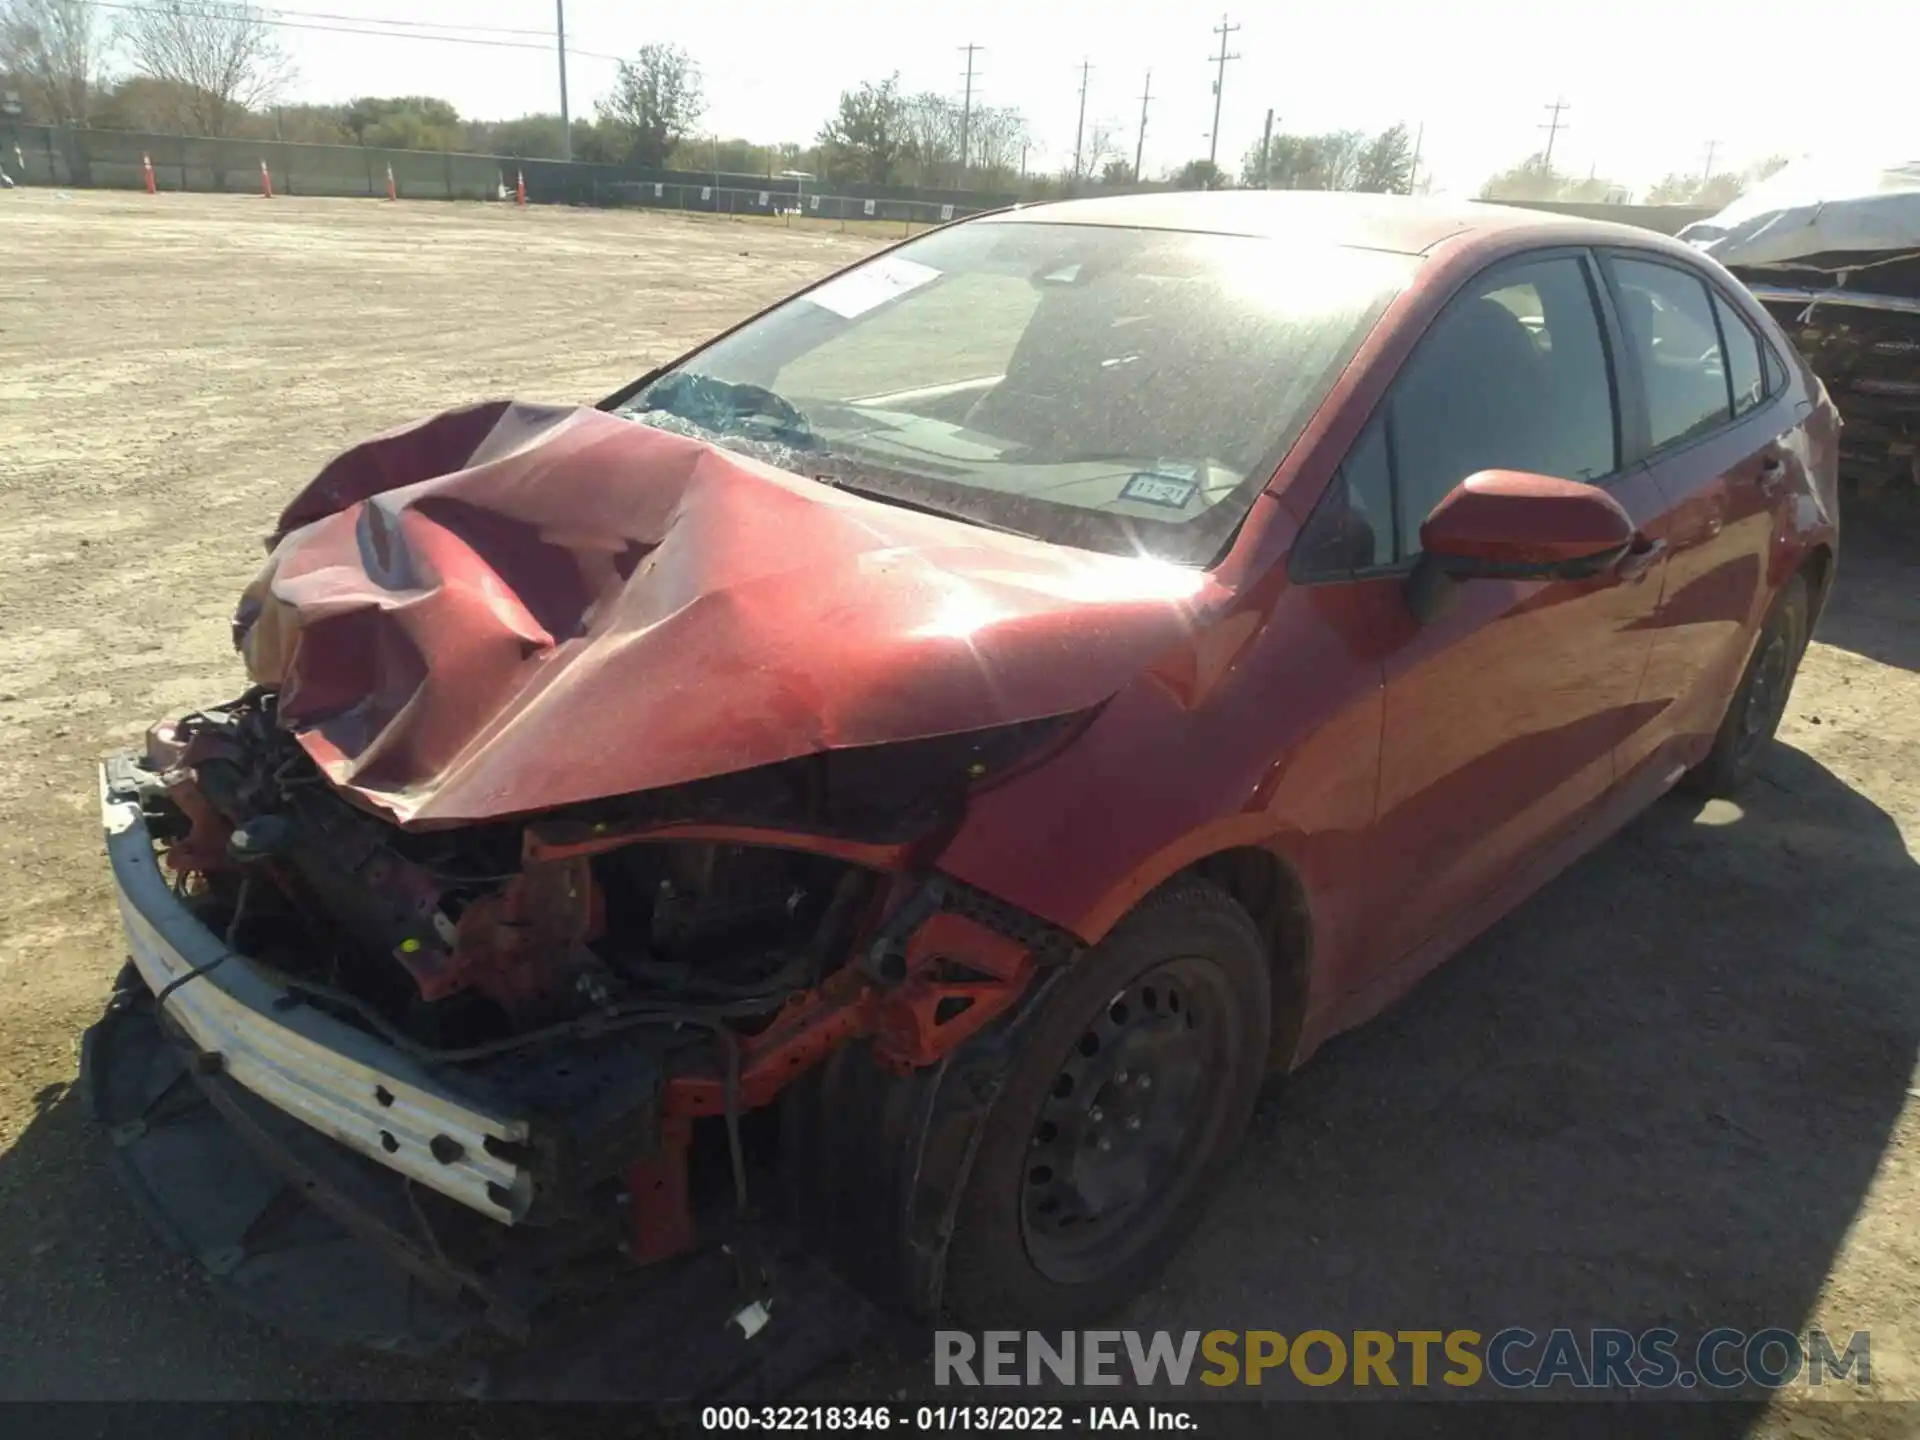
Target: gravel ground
1678,1086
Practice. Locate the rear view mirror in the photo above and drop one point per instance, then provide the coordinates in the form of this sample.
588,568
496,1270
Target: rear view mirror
1511,525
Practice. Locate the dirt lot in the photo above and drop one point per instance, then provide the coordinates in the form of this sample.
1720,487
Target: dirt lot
1677,1087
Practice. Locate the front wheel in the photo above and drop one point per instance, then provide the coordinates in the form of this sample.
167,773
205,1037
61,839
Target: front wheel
1132,1090
1761,699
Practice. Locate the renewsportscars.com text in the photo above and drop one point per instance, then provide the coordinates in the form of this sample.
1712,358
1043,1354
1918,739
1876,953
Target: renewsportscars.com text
1510,1359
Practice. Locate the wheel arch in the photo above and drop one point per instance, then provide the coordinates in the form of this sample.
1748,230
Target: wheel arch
1817,565
1271,891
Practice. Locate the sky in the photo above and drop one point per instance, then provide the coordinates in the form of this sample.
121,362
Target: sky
1648,84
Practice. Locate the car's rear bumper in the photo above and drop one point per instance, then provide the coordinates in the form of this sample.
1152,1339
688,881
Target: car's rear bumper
354,1088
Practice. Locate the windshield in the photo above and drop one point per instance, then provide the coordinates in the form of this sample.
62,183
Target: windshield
1121,390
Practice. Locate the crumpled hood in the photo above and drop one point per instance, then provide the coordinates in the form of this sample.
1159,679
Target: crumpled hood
509,607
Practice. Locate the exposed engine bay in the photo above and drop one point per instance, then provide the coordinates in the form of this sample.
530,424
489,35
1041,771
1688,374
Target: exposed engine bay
451,940
627,967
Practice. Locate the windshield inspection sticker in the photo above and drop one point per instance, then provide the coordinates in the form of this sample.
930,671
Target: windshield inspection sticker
1171,486
873,284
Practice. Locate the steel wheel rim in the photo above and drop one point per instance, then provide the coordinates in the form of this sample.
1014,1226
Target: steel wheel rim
1132,1107
1767,695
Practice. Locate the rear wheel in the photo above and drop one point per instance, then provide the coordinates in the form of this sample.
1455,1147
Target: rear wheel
1133,1089
1761,699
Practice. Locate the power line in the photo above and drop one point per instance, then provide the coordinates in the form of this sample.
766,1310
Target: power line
1553,129
195,13
1140,145
1223,30
966,108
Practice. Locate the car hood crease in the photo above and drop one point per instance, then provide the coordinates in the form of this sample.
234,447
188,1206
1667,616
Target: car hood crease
511,607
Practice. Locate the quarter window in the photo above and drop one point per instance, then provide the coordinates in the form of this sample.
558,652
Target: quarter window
1513,376
1744,370
1669,323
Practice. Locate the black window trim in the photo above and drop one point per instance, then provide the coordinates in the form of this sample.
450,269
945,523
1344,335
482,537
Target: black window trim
1627,401
1631,362
1773,370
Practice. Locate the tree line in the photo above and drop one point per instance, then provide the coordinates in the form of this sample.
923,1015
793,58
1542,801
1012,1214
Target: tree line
214,67
1535,178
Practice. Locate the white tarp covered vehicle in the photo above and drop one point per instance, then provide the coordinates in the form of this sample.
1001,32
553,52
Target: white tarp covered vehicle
1832,248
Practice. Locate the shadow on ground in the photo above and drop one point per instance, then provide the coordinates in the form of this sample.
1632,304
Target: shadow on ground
1656,1095
1876,609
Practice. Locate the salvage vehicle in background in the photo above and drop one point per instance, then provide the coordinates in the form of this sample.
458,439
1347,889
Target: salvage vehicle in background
1832,249
902,775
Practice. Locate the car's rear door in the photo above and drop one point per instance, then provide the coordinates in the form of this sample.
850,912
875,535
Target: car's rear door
1501,715
1725,449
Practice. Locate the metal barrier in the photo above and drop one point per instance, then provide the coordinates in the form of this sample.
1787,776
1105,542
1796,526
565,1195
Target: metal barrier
116,159
790,203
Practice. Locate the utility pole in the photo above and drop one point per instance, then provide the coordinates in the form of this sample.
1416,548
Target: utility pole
1266,150
566,123
1080,126
966,111
1553,129
1413,170
1223,30
1140,144
1712,145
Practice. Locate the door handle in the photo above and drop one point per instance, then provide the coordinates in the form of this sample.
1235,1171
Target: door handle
1639,558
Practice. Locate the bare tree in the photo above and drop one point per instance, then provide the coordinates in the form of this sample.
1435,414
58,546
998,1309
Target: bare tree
1099,144
930,126
53,54
52,51
999,135
221,56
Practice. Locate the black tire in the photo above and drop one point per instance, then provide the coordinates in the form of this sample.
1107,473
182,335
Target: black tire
1754,713
1181,987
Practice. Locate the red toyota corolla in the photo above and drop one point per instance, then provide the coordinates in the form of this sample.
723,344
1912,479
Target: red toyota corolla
905,772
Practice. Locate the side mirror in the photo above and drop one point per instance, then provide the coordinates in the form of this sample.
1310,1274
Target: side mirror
1510,525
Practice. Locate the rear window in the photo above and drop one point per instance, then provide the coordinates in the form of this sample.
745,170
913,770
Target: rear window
1115,389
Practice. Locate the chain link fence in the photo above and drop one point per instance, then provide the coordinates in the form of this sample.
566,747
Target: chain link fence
789,202
118,159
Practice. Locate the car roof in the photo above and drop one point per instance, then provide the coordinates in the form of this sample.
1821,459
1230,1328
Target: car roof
1373,222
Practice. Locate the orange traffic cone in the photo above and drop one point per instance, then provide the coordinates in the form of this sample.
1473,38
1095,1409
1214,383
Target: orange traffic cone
266,181
520,188
146,166
392,193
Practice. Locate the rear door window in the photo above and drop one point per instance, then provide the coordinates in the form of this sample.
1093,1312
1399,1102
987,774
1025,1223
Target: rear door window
1668,317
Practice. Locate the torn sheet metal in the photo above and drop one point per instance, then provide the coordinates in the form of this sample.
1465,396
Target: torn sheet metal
508,608
1816,206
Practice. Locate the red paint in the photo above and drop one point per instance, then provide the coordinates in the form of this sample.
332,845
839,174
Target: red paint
146,169
507,609
1511,518
803,1034
562,605
266,181
658,1197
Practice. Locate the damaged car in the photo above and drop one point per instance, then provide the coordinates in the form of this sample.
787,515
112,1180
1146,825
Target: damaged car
889,786
1832,249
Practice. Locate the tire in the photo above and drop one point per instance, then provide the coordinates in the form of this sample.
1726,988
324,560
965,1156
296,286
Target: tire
1087,1179
1760,700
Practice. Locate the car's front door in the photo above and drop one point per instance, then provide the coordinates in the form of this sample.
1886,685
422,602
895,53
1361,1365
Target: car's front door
1501,714
1725,450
